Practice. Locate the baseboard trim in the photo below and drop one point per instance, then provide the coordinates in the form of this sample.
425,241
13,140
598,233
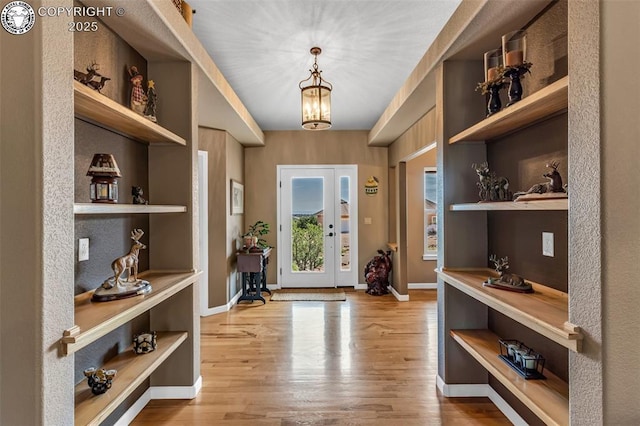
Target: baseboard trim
422,286
159,392
480,390
223,308
360,286
400,297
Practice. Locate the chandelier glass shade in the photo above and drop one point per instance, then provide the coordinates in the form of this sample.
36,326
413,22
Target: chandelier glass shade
316,98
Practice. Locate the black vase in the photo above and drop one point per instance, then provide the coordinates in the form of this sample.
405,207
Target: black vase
515,87
494,105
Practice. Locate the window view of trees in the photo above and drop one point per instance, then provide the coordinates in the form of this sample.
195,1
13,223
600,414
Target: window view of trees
307,244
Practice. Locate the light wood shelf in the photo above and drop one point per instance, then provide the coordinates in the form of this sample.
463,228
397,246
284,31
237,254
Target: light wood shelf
537,205
539,105
97,108
95,319
548,399
133,369
102,208
546,311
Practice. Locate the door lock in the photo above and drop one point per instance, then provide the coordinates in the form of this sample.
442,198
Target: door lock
330,234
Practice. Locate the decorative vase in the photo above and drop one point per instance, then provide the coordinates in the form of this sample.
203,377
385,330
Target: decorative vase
514,52
494,105
493,69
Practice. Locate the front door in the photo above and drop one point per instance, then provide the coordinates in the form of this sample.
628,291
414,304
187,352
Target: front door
317,226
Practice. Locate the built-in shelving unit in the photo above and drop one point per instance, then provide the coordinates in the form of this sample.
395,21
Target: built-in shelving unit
103,208
95,319
98,109
544,311
132,370
539,105
548,399
557,204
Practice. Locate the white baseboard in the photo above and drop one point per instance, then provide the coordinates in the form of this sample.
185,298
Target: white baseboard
360,286
480,390
223,308
159,392
423,286
400,297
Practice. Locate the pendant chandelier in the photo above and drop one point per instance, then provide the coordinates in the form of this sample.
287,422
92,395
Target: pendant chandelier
316,98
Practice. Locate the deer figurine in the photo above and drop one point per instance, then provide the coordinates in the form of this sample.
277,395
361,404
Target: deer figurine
507,281
98,85
127,262
92,71
554,184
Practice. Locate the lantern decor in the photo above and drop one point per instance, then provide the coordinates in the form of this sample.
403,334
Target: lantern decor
493,80
144,343
99,380
514,52
528,363
104,173
316,98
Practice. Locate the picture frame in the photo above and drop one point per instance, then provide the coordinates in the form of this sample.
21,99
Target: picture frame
237,197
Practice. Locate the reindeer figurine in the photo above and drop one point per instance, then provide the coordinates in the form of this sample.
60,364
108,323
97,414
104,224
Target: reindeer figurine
128,262
553,186
506,281
98,85
92,71
492,187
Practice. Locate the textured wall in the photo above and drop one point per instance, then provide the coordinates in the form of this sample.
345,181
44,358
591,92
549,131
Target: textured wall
235,223
332,147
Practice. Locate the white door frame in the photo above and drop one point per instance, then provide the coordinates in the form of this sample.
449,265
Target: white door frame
342,278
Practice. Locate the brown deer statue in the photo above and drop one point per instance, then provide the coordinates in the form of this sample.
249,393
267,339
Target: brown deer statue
98,85
506,281
92,71
127,262
554,184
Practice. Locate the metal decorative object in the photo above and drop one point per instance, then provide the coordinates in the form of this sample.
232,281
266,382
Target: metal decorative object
376,273
104,174
492,187
137,194
99,380
152,102
514,51
116,287
493,80
554,188
371,186
144,343
511,282
528,363
316,98
88,77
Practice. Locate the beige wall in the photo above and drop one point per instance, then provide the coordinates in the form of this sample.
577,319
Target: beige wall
325,147
418,136
418,270
235,223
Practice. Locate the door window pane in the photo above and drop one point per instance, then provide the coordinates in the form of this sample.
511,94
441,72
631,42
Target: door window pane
307,234
345,216
430,219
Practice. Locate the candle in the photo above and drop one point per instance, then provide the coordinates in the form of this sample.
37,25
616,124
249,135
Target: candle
529,362
511,350
514,58
492,73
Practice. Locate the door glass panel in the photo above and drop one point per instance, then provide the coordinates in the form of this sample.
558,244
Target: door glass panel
345,234
307,217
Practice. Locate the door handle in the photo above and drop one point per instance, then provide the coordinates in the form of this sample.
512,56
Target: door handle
330,234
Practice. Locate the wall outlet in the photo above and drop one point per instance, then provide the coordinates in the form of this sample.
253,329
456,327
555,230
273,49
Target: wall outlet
83,249
547,244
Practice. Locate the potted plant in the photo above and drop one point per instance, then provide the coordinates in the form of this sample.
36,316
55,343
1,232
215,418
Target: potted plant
252,238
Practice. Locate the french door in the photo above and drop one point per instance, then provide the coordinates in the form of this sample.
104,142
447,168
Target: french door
317,224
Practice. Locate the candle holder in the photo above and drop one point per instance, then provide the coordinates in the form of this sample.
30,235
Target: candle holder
493,79
514,51
104,174
528,363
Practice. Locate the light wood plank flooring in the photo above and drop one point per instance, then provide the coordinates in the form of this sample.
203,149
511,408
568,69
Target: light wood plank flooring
367,361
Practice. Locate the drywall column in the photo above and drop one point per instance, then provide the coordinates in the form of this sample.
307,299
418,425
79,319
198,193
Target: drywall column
36,221
585,250
400,257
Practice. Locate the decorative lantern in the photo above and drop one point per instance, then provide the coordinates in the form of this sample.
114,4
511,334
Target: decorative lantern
104,173
316,98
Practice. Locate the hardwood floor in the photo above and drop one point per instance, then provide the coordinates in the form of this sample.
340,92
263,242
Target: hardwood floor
367,361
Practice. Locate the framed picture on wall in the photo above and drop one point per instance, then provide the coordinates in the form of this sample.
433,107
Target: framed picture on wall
237,197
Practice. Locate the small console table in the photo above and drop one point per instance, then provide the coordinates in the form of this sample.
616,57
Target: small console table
253,266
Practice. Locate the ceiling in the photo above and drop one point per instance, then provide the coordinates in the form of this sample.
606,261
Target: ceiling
369,48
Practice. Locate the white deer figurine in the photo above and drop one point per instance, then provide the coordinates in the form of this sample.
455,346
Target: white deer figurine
128,262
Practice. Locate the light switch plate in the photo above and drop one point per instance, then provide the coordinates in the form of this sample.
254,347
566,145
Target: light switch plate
367,221
83,249
547,244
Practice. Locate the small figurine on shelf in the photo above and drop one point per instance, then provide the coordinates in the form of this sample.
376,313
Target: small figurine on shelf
152,101
98,85
144,343
492,187
376,273
545,190
84,78
99,380
511,282
115,288
137,193
138,96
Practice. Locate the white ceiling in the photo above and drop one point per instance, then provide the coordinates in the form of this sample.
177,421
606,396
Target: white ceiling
369,48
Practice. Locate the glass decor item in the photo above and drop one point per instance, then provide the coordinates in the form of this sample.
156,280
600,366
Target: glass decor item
104,173
493,69
528,363
514,52
316,98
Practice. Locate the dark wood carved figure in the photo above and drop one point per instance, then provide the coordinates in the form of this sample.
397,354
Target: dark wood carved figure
376,273
507,281
554,184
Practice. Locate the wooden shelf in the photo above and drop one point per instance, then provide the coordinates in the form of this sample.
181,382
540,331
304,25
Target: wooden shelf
101,208
539,105
548,399
546,311
95,319
537,205
132,369
97,108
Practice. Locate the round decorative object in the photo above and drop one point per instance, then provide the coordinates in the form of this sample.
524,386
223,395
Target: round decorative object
371,186
144,343
99,380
